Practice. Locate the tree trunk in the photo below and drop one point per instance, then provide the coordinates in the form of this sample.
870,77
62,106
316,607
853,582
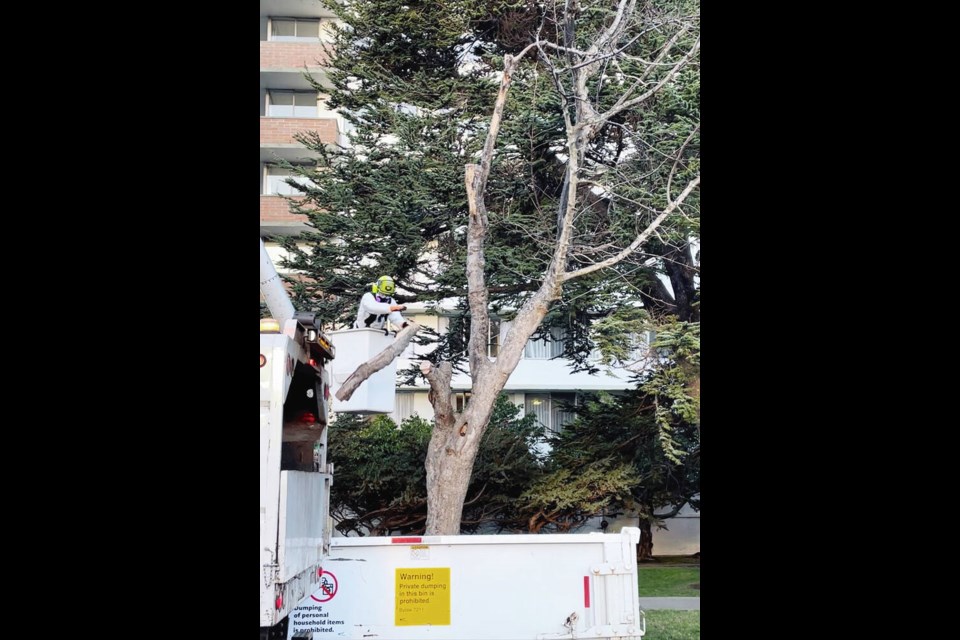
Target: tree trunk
450,455
645,548
454,444
681,271
448,476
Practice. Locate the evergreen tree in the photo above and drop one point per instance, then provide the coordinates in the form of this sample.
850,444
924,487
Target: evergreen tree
639,452
593,109
381,481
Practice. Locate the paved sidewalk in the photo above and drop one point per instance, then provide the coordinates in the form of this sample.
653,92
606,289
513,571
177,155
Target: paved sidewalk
685,604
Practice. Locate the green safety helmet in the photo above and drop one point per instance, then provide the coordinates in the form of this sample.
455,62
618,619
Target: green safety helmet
385,286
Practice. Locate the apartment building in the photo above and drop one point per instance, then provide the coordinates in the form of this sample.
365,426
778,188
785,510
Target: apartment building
543,383
293,34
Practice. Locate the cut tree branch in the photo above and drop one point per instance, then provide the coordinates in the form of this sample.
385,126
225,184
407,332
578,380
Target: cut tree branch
378,362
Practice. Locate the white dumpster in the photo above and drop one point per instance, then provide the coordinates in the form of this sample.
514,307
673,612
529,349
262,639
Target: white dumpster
501,587
355,347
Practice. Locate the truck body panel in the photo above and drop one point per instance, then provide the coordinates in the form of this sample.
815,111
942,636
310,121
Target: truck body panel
482,587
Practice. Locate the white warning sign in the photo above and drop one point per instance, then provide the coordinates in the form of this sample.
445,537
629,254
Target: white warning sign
314,615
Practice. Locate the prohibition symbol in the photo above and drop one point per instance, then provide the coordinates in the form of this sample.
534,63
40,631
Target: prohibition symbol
328,587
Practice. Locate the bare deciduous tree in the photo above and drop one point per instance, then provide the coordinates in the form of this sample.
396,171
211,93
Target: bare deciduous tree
575,64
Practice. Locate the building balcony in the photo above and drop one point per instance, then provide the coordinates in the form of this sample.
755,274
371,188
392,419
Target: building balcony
306,8
277,141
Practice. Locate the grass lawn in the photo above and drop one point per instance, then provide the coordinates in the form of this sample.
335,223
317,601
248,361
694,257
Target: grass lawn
673,625
669,578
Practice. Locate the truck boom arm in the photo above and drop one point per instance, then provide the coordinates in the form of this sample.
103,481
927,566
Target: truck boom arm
271,287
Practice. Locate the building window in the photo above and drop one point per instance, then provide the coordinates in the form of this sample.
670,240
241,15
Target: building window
292,104
552,410
276,182
404,408
544,348
641,350
493,338
460,401
295,30
460,327
562,409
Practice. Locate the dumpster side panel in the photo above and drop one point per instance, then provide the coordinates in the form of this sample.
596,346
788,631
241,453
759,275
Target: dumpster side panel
509,587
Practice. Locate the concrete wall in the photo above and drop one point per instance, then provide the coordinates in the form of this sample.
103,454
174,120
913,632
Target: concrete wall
680,538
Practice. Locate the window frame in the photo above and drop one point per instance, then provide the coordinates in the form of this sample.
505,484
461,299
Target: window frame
273,37
270,171
408,398
460,400
314,106
493,338
555,416
553,347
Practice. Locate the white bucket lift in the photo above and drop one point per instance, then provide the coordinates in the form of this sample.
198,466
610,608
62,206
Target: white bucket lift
355,347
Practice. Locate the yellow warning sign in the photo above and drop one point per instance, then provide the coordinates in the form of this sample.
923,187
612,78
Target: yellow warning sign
423,596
